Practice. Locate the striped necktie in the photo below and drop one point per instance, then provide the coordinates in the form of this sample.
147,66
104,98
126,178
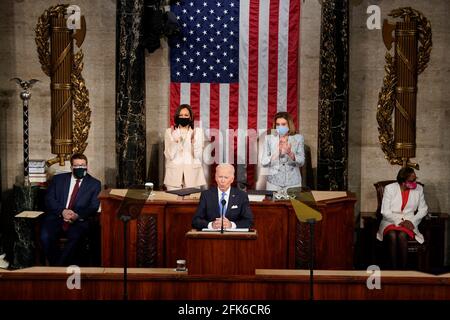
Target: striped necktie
220,204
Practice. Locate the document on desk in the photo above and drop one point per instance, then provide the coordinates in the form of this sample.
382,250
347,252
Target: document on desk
29,214
256,197
227,230
237,230
141,194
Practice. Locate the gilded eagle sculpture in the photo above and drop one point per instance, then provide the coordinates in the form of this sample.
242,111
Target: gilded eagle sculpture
25,85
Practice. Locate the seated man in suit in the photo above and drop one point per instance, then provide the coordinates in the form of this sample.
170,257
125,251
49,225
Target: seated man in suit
70,199
237,212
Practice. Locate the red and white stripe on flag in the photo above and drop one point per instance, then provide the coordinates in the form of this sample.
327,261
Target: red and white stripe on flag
268,80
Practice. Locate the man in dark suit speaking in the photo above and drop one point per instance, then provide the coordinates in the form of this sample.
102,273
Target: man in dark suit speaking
231,201
70,199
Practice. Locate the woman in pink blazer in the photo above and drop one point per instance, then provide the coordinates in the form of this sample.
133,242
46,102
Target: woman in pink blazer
183,149
403,208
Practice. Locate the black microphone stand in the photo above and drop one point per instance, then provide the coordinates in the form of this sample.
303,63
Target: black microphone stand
223,202
311,223
125,219
130,208
310,216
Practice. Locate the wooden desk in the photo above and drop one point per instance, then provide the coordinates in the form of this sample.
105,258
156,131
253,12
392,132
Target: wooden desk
50,283
157,237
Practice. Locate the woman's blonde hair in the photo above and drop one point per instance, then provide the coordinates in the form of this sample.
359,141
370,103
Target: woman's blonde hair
286,116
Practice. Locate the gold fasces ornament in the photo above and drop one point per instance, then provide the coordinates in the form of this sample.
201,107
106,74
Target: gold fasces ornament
70,112
412,47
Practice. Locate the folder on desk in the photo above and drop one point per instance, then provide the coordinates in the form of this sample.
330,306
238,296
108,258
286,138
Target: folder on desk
184,192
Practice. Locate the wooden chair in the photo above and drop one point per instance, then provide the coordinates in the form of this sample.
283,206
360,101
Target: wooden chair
415,249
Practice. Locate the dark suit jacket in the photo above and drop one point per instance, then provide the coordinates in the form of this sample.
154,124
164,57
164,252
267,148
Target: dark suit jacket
238,209
86,202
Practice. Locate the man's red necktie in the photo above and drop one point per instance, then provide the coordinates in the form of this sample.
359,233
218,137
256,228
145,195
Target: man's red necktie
66,224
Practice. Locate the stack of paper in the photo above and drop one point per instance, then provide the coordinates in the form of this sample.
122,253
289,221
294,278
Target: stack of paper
29,214
227,230
256,197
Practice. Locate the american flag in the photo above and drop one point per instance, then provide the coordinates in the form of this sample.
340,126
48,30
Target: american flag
236,63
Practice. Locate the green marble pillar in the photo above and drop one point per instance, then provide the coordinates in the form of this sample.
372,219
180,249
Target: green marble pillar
332,149
25,242
130,94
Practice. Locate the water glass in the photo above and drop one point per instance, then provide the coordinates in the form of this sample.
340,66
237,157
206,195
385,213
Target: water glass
149,187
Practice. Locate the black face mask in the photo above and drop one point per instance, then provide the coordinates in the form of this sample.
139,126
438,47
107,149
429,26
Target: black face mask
183,121
79,173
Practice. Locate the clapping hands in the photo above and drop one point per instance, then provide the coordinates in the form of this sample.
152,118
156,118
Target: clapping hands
284,146
176,135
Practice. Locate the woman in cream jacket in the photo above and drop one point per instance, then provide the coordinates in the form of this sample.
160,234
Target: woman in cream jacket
183,149
400,221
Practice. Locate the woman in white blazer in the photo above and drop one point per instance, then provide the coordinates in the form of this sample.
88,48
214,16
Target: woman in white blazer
183,149
403,208
283,154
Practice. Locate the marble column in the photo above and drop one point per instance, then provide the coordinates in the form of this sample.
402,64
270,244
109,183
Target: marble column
130,94
332,157
26,244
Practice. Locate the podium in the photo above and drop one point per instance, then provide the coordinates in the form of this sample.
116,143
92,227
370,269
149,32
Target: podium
215,253
157,238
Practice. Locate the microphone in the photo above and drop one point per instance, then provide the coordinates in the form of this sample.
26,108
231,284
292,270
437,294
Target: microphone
223,203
